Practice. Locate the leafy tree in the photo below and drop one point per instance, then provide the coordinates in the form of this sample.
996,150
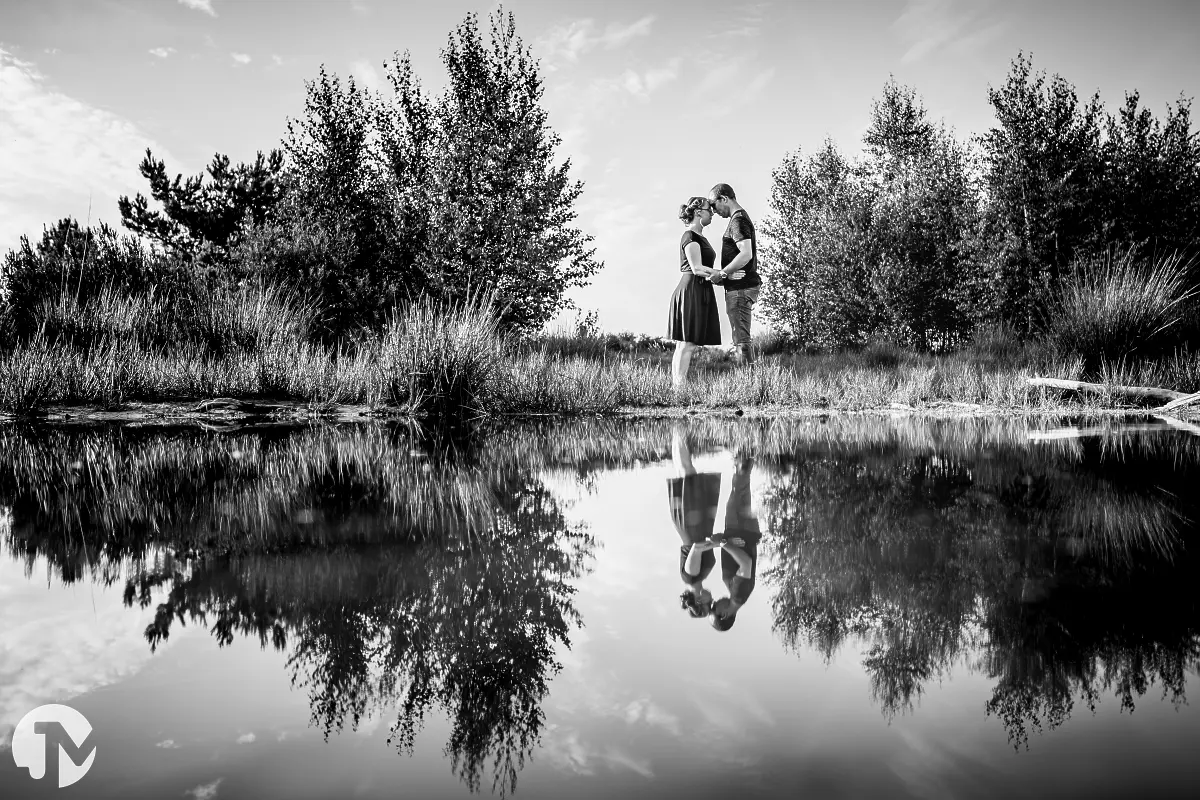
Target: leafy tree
815,266
199,218
922,204
869,249
335,238
1152,182
497,206
1043,169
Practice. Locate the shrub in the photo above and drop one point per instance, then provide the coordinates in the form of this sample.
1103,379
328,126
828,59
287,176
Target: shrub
80,263
441,359
1110,309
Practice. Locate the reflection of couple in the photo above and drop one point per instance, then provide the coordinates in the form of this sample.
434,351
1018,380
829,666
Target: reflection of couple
694,497
693,320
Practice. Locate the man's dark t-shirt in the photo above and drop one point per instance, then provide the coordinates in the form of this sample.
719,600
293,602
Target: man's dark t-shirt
740,227
739,587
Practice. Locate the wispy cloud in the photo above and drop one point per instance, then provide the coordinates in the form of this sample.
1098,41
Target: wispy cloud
162,52
241,58
247,738
569,42
168,744
929,25
58,151
642,85
366,74
200,5
207,791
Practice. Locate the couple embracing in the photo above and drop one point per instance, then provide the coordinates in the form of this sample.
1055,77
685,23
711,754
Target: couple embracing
694,497
693,319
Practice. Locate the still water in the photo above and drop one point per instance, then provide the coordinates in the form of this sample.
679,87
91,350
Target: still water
841,607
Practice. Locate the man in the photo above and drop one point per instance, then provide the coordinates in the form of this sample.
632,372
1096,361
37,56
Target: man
739,251
739,546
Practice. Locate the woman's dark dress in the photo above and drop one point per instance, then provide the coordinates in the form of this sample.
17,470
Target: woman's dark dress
693,315
693,502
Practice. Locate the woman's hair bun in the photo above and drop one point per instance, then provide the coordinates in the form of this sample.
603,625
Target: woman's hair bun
687,211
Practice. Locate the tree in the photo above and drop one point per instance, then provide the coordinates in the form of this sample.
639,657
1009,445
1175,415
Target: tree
336,238
815,265
1042,175
202,219
869,249
922,204
71,262
1152,181
498,209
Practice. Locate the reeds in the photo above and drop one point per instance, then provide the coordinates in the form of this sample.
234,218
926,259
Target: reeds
1112,309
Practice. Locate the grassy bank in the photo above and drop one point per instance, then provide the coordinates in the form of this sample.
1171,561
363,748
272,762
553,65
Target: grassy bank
438,360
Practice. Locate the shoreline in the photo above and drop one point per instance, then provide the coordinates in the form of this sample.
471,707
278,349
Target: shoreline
267,412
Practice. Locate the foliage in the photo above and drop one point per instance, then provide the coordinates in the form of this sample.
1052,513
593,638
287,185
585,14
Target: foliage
202,220
1043,173
341,237
925,239
71,264
498,209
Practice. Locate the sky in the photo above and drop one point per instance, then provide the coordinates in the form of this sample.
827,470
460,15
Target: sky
654,101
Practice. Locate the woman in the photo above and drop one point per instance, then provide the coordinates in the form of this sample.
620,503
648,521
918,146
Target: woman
693,318
693,499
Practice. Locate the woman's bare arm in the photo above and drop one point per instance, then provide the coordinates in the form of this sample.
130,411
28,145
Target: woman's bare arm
692,251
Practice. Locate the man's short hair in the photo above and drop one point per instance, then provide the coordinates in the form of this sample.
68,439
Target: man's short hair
724,190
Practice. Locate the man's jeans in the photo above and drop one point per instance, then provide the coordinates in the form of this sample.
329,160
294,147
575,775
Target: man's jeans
739,305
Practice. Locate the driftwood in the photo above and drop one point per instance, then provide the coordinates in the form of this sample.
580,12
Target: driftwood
1169,396
1180,402
1179,424
1098,430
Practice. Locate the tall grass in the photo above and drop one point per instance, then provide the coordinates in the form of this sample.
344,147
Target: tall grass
439,359
1121,307
450,361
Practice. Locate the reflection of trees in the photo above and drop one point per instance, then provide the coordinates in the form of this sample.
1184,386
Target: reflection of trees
393,579
1063,568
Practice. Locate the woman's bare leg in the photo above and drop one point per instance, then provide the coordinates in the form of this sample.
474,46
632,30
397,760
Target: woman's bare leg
681,362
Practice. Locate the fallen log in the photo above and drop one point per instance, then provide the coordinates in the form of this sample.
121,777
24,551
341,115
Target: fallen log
1180,402
1133,392
1179,424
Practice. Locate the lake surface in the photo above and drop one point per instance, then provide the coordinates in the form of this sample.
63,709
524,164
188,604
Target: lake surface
914,608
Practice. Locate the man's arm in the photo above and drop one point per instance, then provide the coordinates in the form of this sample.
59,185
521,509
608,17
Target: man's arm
745,565
745,253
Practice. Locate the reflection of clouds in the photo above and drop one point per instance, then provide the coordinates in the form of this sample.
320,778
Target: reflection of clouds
58,642
169,744
618,758
205,792
563,749
934,770
646,710
247,738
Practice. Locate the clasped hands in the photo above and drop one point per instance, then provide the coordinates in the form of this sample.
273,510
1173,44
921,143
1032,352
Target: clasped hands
718,541
718,276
